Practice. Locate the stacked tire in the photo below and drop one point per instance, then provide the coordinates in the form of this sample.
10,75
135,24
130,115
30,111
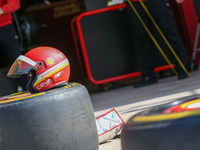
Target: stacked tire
172,126
58,119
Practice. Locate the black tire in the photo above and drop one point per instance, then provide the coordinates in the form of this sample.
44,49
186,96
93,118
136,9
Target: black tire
153,130
59,119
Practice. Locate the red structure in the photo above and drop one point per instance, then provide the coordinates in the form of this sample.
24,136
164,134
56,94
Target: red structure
59,27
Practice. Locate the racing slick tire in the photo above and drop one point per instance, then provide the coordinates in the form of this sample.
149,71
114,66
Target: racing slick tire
158,129
58,119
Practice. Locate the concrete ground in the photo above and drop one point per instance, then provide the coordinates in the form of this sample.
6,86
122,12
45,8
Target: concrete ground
129,101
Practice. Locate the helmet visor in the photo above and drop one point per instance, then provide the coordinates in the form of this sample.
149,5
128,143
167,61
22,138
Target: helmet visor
22,65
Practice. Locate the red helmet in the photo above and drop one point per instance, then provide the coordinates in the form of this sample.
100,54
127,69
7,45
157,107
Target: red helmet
46,67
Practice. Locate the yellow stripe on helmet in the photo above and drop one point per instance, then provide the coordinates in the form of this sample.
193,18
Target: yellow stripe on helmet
60,66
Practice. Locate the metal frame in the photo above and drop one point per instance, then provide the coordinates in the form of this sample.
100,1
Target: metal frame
195,49
84,51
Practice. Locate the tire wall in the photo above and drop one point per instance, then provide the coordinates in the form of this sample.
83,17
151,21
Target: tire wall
58,119
153,130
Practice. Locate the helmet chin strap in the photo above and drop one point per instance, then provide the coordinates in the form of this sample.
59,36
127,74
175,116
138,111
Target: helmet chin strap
32,75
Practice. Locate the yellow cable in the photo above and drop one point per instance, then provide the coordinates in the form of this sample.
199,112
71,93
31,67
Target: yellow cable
164,37
155,42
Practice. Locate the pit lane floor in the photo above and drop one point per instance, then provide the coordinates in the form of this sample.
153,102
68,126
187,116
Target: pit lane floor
129,101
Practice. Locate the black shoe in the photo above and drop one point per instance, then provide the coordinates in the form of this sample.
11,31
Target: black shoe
181,73
146,80
182,76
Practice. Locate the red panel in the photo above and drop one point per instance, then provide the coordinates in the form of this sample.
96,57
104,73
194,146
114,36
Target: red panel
190,19
190,22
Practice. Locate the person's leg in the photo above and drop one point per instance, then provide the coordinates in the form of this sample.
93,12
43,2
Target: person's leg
166,22
197,7
146,44
9,44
